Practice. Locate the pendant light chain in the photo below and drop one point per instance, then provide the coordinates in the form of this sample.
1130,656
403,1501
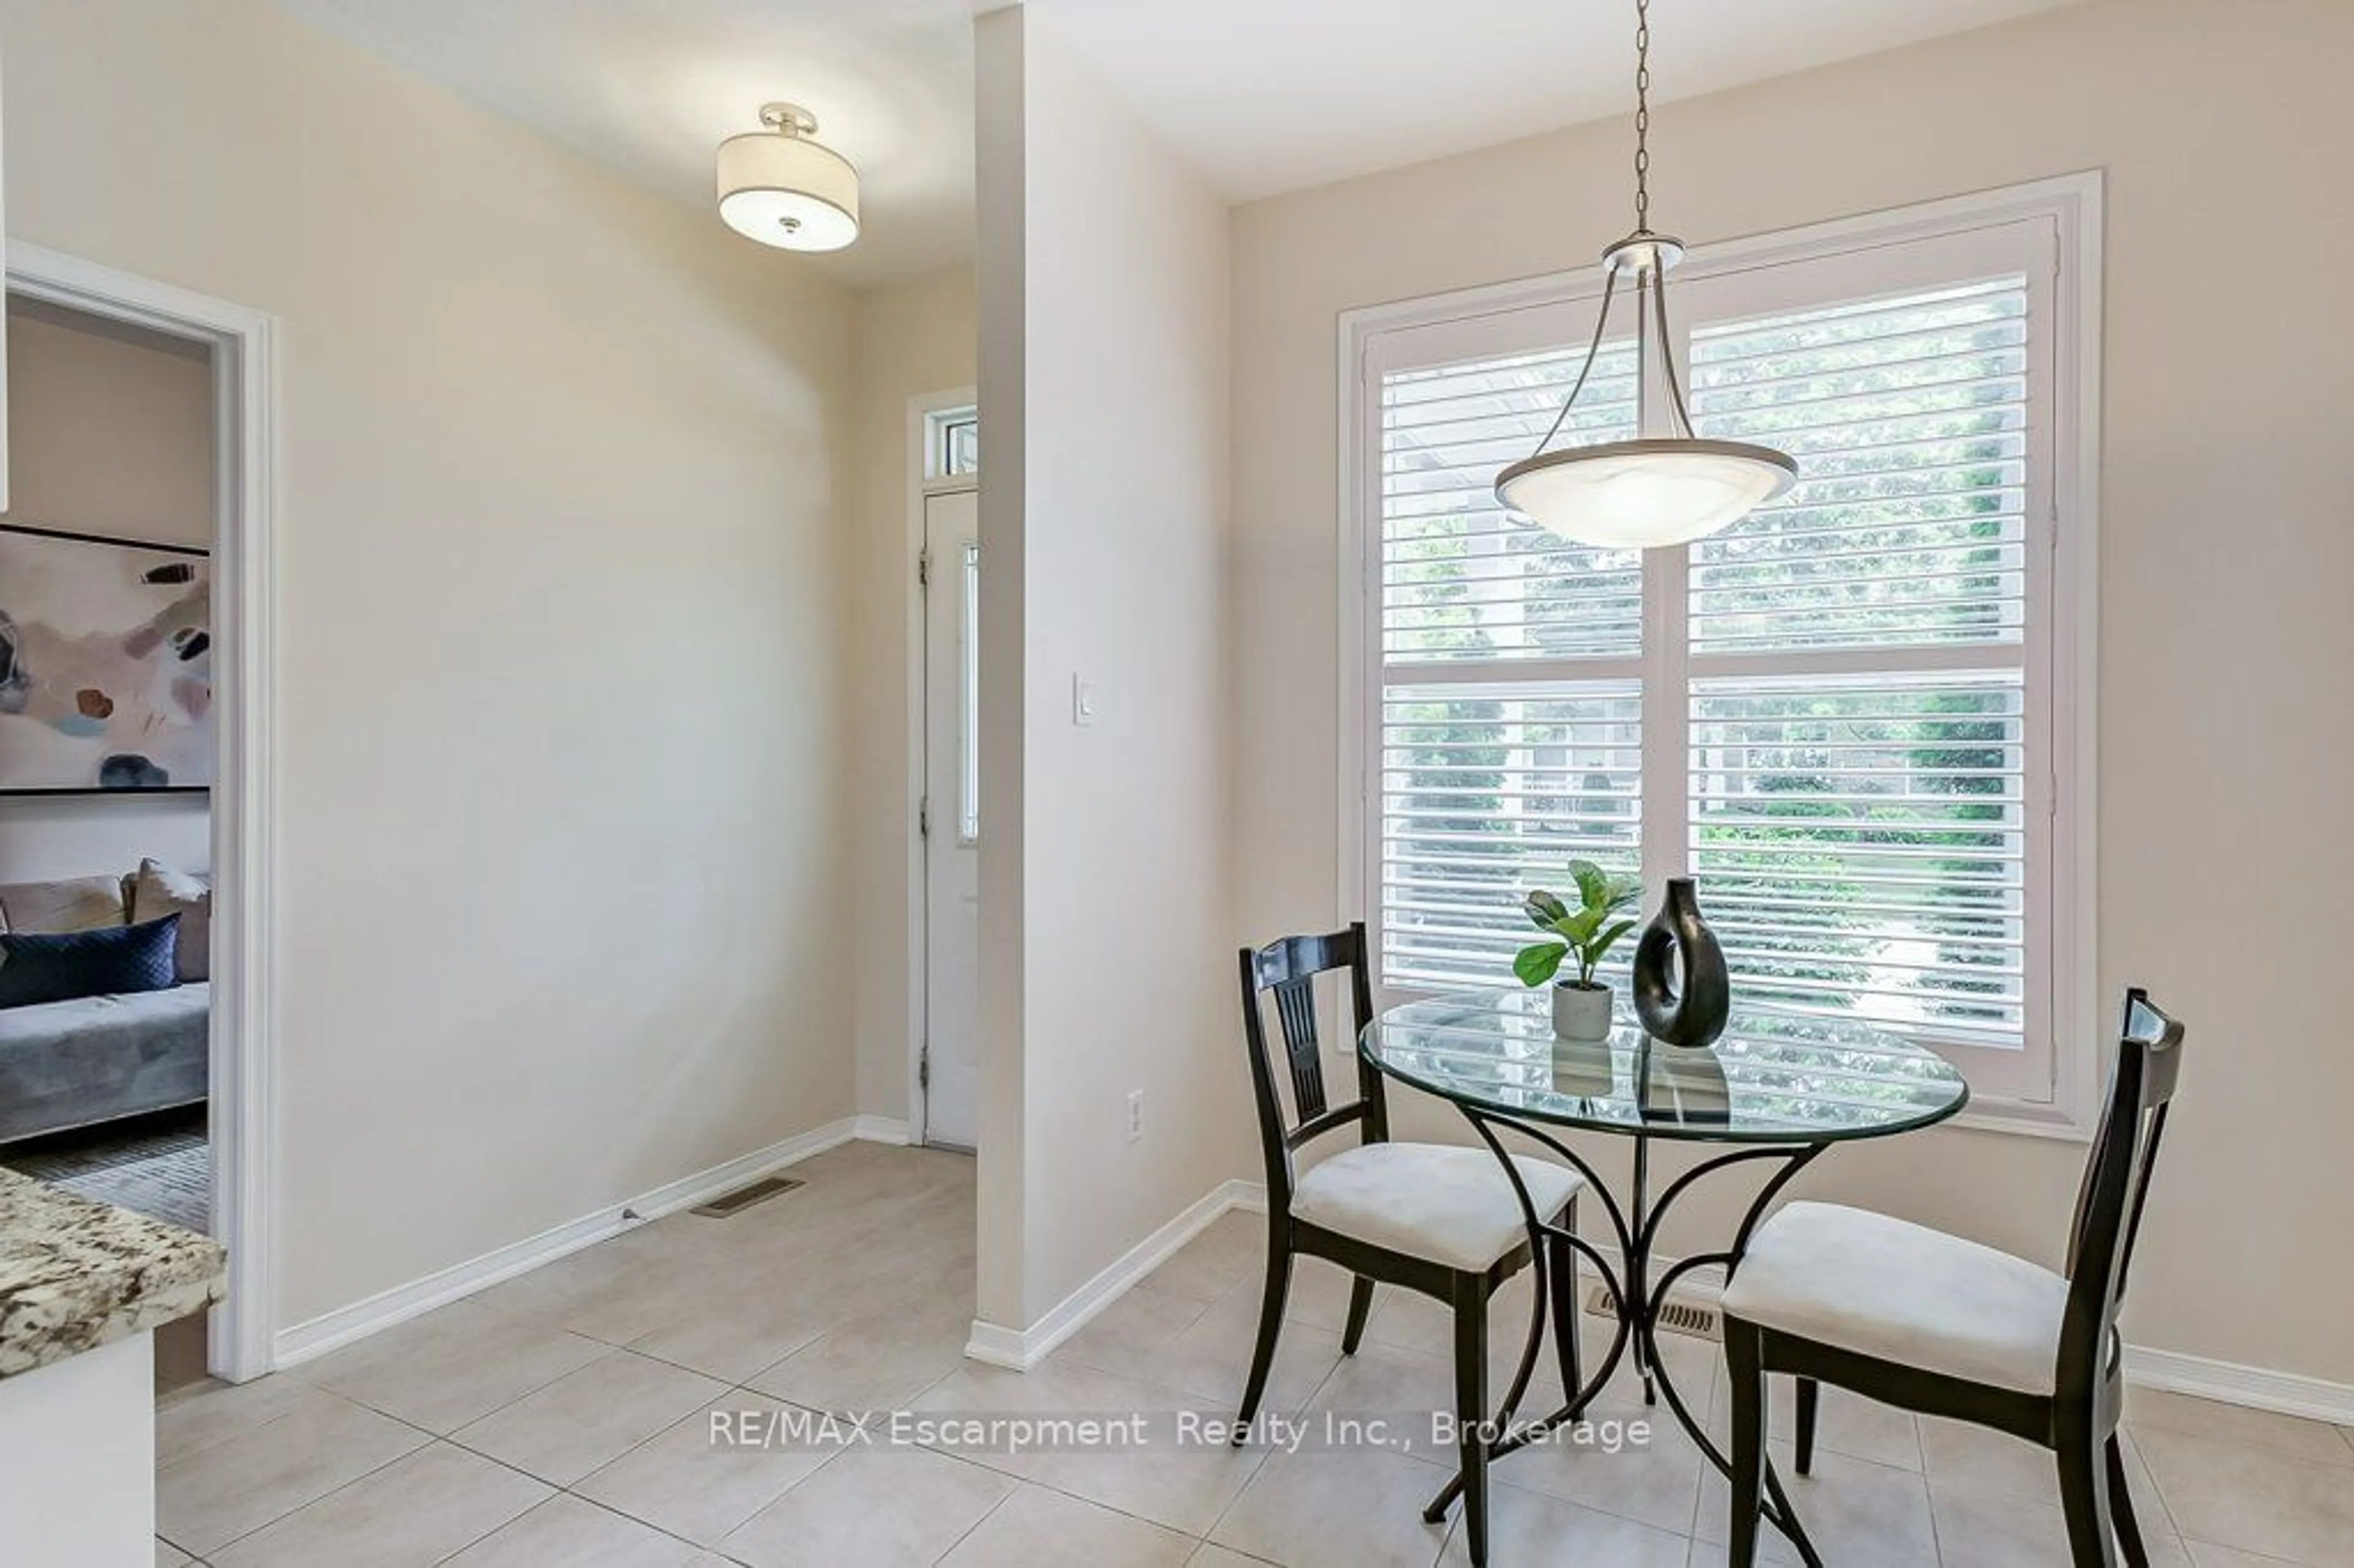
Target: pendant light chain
1650,293
1668,485
1642,116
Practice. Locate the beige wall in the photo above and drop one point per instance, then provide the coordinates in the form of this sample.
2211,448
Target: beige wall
1103,275
1000,279
110,432
913,339
563,824
2226,865
109,428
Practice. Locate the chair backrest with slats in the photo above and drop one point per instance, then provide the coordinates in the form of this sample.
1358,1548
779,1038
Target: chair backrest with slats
1286,972
2116,1187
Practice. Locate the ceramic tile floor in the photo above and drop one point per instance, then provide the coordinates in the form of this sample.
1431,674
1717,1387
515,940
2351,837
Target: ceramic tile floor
561,1421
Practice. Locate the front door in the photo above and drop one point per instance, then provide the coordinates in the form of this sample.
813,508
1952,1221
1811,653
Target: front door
951,817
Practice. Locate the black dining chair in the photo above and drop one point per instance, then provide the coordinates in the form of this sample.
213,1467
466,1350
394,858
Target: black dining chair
1915,1317
1438,1219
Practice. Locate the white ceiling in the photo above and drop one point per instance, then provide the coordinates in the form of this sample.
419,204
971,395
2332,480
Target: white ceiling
651,87
1262,95
1273,95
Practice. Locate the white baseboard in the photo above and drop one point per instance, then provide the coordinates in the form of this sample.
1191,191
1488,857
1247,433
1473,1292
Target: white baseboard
883,1129
2258,1388
999,1347
1022,1348
335,1329
2228,1383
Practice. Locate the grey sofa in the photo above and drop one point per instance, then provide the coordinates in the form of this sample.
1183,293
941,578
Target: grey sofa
66,1065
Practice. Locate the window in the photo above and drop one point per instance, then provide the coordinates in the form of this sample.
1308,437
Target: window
952,443
969,694
1851,717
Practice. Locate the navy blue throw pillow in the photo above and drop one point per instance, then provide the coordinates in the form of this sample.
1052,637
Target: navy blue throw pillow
109,961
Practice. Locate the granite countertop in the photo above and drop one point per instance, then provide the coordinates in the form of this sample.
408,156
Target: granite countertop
76,1273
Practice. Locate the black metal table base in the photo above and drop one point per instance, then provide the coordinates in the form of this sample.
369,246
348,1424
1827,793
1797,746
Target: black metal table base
1636,1296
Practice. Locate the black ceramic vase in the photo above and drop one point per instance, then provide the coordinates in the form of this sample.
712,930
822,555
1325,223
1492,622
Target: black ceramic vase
1678,937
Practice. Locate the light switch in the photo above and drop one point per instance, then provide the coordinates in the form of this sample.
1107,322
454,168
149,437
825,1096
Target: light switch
1083,702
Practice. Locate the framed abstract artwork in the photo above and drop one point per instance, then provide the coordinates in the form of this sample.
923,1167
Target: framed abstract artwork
106,669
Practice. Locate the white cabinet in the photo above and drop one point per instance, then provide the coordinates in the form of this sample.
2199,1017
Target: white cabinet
78,1459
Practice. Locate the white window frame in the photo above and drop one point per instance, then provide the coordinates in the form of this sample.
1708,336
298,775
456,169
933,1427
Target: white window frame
2062,918
940,428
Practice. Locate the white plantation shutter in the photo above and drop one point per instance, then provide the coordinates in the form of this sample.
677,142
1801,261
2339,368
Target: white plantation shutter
1486,792
1863,844
1463,580
1488,787
1861,832
1907,526
1836,715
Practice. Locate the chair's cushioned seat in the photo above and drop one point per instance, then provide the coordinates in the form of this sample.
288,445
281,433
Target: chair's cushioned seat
1901,1292
1451,1206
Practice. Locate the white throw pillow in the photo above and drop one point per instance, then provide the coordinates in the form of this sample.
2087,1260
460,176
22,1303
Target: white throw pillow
72,904
158,891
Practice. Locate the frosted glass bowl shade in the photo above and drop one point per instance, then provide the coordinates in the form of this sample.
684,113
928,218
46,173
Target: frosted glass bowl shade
1641,494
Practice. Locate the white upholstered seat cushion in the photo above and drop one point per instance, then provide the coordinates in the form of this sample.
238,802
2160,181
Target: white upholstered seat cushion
1901,1292
1450,1207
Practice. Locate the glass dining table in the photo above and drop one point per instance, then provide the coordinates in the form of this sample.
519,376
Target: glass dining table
1778,1088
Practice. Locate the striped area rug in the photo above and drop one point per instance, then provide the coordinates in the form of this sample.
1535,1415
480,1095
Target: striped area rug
158,1166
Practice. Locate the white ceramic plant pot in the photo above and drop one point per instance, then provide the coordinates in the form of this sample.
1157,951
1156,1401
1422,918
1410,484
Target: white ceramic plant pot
1581,1014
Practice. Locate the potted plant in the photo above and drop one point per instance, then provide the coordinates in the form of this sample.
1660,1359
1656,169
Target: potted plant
1580,1008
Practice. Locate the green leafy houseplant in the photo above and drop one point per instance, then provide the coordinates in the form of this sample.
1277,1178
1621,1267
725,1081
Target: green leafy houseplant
1587,932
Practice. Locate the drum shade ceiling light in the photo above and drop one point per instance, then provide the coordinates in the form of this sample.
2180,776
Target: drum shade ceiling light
780,189
1668,485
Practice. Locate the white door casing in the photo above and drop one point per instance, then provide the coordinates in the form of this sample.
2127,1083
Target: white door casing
243,1079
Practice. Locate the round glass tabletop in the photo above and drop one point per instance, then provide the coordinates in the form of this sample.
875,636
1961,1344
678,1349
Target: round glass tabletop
1770,1078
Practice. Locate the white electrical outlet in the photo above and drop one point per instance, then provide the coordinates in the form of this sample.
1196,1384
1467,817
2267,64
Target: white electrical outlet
1135,1114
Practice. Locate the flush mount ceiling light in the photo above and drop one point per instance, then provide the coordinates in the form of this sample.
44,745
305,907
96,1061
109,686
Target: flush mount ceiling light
780,189
1668,485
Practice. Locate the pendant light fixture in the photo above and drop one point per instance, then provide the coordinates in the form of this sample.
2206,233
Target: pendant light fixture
1668,485
782,188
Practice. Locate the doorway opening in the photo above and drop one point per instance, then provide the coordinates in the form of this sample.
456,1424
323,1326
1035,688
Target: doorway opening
106,760
945,1105
165,357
